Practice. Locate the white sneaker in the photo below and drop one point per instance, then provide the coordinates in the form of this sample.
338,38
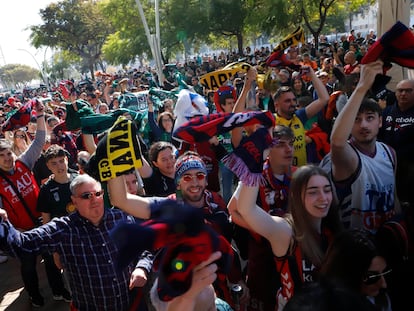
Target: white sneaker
3,258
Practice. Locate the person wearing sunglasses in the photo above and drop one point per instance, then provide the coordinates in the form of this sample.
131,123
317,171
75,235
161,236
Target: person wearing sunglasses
85,247
191,188
357,261
21,141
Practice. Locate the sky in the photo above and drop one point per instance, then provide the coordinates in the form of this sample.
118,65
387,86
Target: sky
16,16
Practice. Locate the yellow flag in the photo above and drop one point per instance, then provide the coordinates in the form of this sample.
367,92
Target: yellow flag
292,39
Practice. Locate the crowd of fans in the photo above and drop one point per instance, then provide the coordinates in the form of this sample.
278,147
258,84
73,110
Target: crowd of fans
333,165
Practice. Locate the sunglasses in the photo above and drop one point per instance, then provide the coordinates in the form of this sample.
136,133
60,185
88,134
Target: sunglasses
90,195
277,142
281,90
373,276
19,136
198,176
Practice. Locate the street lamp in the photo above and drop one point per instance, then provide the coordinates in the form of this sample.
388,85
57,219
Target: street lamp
44,77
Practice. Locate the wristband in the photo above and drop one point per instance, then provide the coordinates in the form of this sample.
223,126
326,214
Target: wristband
39,116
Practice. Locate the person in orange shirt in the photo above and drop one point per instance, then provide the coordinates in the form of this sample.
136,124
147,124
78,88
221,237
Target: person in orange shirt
307,61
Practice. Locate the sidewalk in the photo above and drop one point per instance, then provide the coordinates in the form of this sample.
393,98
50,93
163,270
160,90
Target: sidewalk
14,298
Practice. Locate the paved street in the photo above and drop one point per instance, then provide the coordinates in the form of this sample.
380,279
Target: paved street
14,298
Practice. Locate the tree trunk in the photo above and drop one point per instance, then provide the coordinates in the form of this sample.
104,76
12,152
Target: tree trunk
240,43
91,70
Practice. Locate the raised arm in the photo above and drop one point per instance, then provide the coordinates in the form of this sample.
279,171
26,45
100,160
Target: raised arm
240,105
30,156
344,158
130,203
236,217
89,142
156,131
323,96
275,229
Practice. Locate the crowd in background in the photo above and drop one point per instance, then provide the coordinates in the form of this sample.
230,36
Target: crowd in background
319,90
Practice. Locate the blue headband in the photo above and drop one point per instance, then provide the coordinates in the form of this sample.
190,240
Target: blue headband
189,163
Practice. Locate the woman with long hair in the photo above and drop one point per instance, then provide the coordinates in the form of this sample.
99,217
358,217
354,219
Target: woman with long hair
357,261
299,239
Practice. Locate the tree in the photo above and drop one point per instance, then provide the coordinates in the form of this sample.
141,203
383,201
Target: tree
75,26
227,17
17,76
62,66
185,24
128,40
271,17
316,12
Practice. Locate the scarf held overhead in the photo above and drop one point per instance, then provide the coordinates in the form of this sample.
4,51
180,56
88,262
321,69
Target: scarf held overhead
202,128
213,80
278,56
118,151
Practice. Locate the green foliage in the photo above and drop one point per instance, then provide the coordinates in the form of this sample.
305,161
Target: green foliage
112,30
18,75
75,26
128,38
272,17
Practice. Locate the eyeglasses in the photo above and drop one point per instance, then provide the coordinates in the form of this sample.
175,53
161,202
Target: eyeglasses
166,120
279,143
19,136
198,176
90,195
408,91
373,277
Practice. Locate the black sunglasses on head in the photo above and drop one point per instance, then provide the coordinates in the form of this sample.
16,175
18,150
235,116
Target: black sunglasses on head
281,90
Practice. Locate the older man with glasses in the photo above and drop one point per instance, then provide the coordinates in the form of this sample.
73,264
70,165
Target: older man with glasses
85,247
397,130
